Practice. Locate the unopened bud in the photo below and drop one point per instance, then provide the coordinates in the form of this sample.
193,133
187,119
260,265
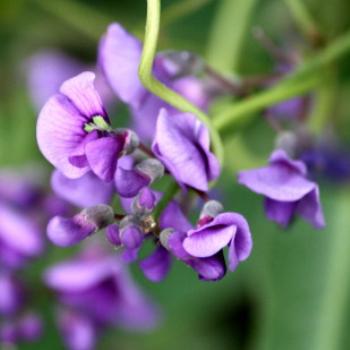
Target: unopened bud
164,237
287,141
151,167
211,209
99,215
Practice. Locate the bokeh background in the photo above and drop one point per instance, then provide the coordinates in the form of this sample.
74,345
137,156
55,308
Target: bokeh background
294,291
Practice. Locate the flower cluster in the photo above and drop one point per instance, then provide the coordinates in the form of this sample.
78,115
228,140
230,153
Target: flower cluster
78,284
97,163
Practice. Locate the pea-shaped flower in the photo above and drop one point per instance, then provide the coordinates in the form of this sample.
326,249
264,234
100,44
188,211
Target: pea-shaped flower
182,143
287,190
74,131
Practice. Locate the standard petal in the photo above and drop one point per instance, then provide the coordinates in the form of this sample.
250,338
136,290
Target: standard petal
156,266
119,57
81,91
104,166
60,131
280,212
278,182
176,147
86,191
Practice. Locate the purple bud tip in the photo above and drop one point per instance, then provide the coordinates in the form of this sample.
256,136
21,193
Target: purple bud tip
113,235
145,201
131,236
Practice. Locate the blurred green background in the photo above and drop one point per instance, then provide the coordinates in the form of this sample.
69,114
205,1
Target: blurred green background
294,292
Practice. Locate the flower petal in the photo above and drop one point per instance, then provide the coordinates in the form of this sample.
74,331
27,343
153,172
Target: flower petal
156,266
119,57
81,91
208,242
59,134
111,147
86,191
280,212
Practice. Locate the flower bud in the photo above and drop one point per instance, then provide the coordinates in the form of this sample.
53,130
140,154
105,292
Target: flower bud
210,210
151,167
131,236
287,141
145,202
113,235
164,237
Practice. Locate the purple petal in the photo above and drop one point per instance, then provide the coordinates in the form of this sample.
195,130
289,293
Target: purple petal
30,327
176,145
19,234
81,91
131,236
11,296
280,156
172,216
86,191
104,167
278,182
280,212
59,133
156,266
65,232
147,199
113,235
78,331
210,269
208,242
119,57
311,210
129,182
79,274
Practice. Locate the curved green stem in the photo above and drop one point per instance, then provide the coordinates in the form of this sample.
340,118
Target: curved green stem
159,89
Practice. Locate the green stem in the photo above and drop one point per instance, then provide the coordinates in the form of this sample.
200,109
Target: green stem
302,80
304,20
180,9
159,89
244,110
228,33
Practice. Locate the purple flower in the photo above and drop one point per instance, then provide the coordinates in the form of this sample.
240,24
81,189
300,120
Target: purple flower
86,191
226,229
20,238
182,143
73,130
12,294
119,57
286,189
212,268
69,231
100,288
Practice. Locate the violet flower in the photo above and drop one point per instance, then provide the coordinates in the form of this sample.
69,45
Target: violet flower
73,130
119,57
287,190
12,294
225,229
69,231
20,238
182,143
99,287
